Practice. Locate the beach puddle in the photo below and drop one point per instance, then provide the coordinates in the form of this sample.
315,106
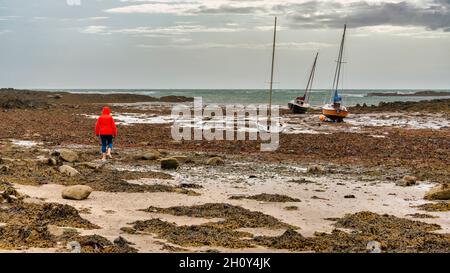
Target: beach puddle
25,143
308,124
401,120
137,118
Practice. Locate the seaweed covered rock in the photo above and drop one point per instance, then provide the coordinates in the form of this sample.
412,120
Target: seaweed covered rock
371,232
315,169
8,194
215,161
4,169
441,192
99,244
264,197
438,206
148,155
407,181
169,164
182,158
79,192
50,161
26,235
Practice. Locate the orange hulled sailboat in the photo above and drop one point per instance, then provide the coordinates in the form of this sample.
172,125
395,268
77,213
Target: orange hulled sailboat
334,108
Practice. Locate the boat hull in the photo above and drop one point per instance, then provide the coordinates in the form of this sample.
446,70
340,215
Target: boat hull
335,114
298,109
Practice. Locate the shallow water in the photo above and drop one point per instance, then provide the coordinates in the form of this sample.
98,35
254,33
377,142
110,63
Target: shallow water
25,143
260,96
294,124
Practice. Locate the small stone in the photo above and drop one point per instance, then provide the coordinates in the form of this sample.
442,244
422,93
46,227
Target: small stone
441,192
52,162
93,166
181,158
351,196
79,192
408,181
55,231
4,169
215,161
163,152
315,169
68,155
148,155
121,242
48,161
69,171
128,230
291,208
74,247
169,164
373,247
57,96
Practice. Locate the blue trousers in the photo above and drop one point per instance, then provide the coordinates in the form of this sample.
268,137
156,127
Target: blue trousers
107,141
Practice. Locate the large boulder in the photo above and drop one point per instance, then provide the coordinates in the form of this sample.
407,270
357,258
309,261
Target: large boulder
169,163
79,192
69,171
148,155
441,192
215,161
68,155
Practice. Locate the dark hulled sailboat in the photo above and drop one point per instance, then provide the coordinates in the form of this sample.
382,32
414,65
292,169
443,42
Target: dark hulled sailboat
300,105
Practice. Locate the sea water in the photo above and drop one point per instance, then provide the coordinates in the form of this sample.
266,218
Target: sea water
260,96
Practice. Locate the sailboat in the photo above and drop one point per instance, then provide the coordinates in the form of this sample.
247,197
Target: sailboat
301,104
278,128
334,110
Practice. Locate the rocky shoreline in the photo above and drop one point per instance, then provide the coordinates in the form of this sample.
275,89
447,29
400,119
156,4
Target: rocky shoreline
415,94
160,195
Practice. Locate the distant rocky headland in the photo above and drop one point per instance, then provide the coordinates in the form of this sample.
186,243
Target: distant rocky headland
416,94
15,98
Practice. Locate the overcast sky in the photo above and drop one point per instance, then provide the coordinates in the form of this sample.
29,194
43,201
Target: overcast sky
221,43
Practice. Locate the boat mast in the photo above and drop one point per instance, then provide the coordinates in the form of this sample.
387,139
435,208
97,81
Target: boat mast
337,74
311,77
271,74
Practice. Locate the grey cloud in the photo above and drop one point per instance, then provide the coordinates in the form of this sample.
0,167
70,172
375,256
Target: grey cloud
319,14
228,9
333,14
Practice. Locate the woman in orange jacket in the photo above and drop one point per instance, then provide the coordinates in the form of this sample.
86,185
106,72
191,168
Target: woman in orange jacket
106,129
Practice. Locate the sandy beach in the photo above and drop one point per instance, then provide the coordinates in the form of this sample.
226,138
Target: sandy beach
328,188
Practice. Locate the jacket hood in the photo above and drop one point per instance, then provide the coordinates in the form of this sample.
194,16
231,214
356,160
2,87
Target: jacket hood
106,111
